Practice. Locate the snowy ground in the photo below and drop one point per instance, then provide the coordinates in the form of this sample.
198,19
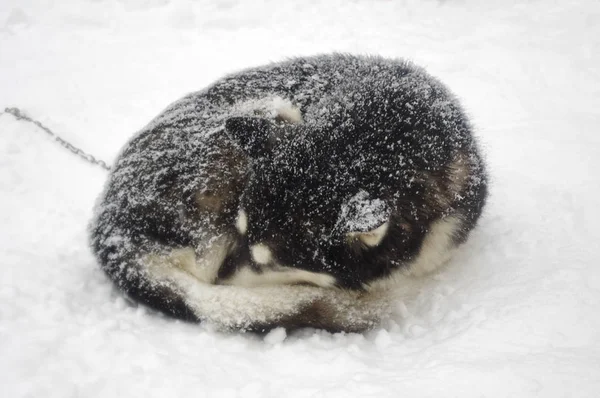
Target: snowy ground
517,313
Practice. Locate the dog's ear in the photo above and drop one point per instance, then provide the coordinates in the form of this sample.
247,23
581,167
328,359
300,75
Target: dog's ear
252,134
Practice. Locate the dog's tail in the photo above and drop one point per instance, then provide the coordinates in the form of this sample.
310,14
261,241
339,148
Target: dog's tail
127,262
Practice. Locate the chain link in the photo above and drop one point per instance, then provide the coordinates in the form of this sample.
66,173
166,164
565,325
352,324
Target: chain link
17,113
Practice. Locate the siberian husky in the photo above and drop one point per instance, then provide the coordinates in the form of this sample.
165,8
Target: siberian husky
294,194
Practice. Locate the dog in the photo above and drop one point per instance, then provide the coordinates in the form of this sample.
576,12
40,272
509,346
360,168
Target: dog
291,195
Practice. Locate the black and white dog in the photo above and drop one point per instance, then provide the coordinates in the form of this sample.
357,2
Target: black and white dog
293,194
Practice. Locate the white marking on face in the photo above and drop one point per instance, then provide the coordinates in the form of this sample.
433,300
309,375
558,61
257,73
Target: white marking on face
371,238
241,222
261,254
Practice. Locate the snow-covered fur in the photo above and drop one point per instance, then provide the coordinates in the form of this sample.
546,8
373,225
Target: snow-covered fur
293,194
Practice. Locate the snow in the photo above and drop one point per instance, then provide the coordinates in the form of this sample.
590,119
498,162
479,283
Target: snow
276,336
514,314
362,214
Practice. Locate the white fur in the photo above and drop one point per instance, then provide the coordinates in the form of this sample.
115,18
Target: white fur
183,258
203,267
246,277
437,249
270,107
241,222
264,298
261,254
290,114
460,171
227,307
238,307
371,238
211,258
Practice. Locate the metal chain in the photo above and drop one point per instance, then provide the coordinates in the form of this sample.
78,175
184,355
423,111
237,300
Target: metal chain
17,113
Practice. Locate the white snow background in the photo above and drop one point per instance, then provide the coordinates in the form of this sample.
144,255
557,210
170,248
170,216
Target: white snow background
516,313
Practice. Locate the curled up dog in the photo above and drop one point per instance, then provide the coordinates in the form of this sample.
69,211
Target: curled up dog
300,193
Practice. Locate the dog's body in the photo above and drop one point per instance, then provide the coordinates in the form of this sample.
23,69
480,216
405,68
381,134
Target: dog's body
292,194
